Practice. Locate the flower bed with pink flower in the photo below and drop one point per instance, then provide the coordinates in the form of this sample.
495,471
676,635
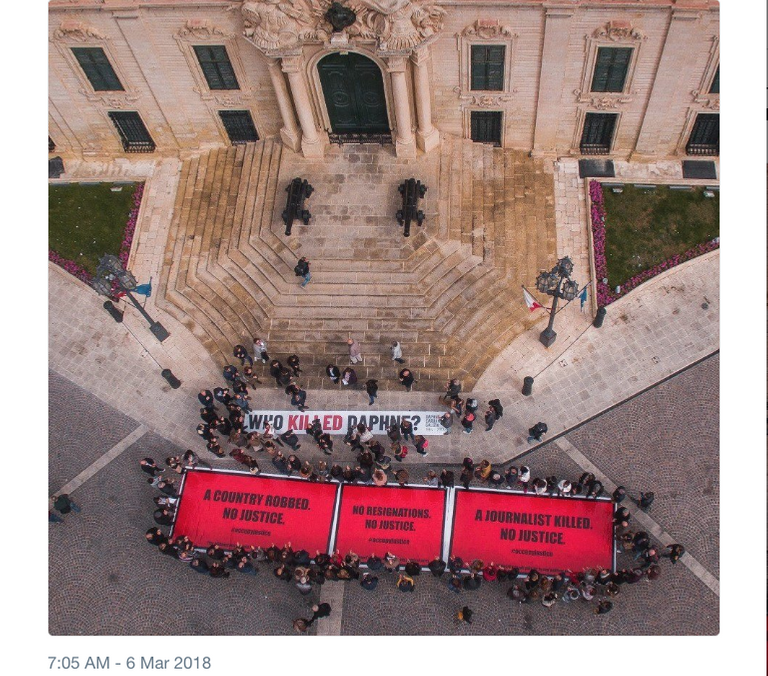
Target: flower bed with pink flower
606,293
85,272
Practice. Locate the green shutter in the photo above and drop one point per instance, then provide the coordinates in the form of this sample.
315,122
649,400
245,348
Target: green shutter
216,66
97,69
611,67
487,68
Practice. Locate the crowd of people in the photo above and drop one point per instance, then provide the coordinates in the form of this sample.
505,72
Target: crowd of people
308,571
376,463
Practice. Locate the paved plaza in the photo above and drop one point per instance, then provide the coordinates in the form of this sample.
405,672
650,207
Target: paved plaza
635,402
101,552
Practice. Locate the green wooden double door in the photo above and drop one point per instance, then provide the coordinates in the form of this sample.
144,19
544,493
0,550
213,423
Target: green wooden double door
354,94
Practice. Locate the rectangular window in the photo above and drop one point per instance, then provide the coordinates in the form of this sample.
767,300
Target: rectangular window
97,69
485,127
487,67
133,133
216,66
715,86
705,136
611,68
239,126
598,133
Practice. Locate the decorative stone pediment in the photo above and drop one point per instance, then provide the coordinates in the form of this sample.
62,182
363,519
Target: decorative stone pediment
487,29
618,31
77,32
200,29
485,100
604,101
395,25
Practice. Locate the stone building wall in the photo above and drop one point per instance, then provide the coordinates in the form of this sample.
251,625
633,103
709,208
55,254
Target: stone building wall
547,73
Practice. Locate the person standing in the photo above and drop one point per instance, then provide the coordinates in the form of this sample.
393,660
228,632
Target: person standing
260,349
295,364
453,388
354,351
298,398
619,494
372,388
646,499
406,378
64,504
465,615
674,553
446,420
242,354
302,270
205,397
537,432
490,419
349,377
406,428
467,421
421,444
332,371
397,353
320,610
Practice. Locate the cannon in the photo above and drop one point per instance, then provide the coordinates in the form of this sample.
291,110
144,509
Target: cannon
298,190
411,190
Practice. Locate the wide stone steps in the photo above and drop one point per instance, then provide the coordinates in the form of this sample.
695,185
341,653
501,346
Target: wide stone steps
450,293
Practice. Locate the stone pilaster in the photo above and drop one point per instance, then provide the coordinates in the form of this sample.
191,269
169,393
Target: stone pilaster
405,144
290,132
554,65
427,136
311,142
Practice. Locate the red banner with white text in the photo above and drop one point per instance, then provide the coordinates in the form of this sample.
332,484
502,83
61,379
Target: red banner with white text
225,508
406,521
550,534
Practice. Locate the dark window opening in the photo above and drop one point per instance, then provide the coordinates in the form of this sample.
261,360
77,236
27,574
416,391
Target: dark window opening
486,127
705,136
239,126
714,88
598,133
487,71
133,133
97,69
216,66
611,67
51,145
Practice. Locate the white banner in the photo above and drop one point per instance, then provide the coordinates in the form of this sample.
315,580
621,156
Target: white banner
338,422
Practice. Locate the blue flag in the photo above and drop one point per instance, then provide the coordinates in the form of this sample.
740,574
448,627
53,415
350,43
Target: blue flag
144,289
583,298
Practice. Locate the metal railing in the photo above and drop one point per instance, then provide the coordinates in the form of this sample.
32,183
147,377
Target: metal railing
341,139
594,149
702,149
139,146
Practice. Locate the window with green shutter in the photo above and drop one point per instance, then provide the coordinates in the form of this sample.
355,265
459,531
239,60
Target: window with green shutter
611,68
97,69
216,66
488,67
714,88
239,126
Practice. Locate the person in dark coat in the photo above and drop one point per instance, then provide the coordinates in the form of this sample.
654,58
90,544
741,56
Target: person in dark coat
369,582
537,432
149,466
320,610
446,479
242,354
290,438
490,419
222,395
646,499
437,567
372,388
205,397
406,378
332,371
406,428
295,363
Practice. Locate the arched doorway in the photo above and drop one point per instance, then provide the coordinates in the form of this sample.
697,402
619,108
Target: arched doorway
354,94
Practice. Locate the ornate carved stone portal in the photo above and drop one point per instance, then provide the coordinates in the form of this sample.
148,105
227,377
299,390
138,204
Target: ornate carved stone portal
387,29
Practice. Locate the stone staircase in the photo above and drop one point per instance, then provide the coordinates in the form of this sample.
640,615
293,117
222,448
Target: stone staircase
450,293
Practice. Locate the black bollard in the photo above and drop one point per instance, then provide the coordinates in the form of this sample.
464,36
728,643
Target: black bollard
527,386
599,317
116,314
173,381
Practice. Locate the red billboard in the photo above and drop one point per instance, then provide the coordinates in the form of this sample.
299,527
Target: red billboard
406,521
550,534
225,508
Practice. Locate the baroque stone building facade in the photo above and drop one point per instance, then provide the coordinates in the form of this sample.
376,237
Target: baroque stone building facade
626,79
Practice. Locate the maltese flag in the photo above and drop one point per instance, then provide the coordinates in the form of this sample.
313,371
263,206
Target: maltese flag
530,301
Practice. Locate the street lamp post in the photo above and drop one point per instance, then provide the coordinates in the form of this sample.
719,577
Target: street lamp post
111,271
558,284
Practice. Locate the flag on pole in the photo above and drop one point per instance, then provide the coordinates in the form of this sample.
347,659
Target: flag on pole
530,301
583,297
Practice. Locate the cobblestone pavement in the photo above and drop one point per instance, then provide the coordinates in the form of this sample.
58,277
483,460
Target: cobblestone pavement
100,552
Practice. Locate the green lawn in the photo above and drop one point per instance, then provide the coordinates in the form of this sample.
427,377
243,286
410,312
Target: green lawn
644,228
87,221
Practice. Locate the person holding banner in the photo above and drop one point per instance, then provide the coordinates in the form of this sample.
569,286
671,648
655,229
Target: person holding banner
332,371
